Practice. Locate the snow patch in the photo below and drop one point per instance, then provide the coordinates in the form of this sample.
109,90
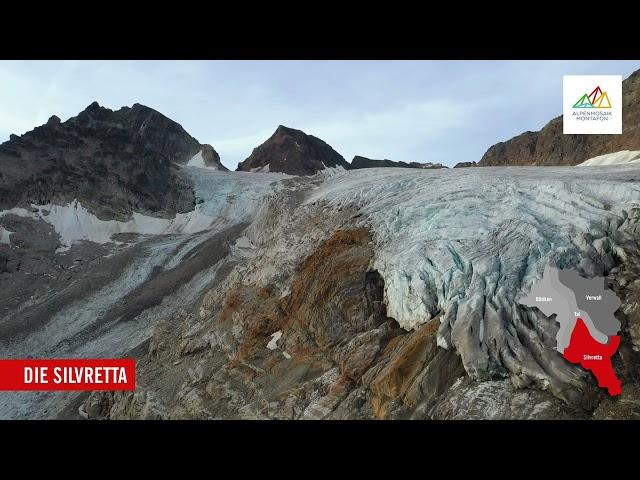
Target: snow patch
264,169
616,158
244,242
5,236
74,223
273,343
197,160
224,199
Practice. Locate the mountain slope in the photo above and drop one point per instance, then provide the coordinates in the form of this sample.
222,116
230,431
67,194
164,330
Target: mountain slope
364,294
113,162
293,152
550,147
306,323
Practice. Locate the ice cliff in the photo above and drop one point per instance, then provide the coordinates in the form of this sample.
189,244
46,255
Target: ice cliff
465,244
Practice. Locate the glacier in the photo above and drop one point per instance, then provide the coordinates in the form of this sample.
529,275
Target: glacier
5,236
222,199
455,246
464,244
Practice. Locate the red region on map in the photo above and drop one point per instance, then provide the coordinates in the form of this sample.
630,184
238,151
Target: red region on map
595,356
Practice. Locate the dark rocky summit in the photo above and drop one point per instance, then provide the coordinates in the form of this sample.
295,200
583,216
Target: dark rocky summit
113,162
293,152
465,164
550,146
364,162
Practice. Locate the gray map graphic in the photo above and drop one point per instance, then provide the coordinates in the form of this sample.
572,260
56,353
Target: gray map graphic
569,296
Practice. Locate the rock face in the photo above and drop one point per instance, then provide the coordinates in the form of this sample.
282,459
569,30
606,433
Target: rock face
550,147
362,294
327,350
465,164
207,157
364,162
293,152
211,158
113,162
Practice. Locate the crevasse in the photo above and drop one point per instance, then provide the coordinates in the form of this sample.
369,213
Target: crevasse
464,244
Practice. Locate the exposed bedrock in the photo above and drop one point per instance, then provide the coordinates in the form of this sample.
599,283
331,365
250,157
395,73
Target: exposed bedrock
325,350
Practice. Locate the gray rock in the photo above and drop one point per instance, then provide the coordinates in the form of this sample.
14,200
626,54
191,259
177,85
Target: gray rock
113,162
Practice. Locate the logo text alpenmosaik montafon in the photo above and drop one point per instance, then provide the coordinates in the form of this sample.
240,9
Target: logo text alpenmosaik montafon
592,104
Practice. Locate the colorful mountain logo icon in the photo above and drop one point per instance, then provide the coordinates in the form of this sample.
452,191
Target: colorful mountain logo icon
596,99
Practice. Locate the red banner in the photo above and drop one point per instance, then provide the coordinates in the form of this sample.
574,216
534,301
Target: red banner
68,374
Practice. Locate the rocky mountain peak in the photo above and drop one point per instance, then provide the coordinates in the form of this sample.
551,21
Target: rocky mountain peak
281,130
53,120
93,113
293,152
127,156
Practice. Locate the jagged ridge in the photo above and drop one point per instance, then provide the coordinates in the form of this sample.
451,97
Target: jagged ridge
113,162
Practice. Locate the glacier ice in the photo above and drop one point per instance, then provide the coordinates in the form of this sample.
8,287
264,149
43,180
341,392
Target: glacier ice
463,244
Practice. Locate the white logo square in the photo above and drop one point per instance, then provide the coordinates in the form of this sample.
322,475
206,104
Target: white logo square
592,104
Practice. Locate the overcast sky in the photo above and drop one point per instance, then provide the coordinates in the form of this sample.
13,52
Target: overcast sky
424,111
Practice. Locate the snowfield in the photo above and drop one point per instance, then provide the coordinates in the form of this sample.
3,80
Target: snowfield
197,161
616,158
